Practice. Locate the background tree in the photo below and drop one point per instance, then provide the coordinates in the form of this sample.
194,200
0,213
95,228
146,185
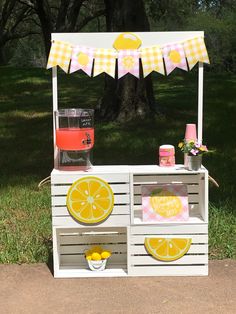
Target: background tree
127,97
14,19
64,16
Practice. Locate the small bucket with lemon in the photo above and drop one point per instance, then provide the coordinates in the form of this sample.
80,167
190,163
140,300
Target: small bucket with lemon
97,258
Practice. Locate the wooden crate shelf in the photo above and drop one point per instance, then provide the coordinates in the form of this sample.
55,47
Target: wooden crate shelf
124,232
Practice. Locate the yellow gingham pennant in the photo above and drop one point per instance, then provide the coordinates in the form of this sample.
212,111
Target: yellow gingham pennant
60,54
195,50
105,61
152,60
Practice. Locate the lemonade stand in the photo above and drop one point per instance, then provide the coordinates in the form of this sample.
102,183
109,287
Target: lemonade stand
149,220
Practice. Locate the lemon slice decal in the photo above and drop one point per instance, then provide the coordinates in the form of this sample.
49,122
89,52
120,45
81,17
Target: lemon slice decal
165,249
90,200
166,203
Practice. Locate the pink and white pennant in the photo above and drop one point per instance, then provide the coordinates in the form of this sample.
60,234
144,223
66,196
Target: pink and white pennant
174,57
82,59
128,62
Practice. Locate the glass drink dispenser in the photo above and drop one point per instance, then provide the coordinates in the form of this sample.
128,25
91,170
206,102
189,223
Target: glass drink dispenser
74,138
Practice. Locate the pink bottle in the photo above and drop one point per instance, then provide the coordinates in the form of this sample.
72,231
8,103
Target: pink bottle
166,156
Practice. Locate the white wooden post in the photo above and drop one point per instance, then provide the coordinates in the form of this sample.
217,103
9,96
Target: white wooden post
200,101
55,107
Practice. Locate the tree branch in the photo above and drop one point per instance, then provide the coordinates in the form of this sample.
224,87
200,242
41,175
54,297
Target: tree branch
89,18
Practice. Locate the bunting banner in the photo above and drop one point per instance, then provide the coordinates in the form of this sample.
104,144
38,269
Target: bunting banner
128,62
128,53
82,59
195,50
60,54
105,61
174,57
152,60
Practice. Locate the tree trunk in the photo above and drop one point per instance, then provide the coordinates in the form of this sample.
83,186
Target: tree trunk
128,97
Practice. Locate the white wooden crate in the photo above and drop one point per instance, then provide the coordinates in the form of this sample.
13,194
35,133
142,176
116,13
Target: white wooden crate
193,263
119,182
197,187
69,245
124,231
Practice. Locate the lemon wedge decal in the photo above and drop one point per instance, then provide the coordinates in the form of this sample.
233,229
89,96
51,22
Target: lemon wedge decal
90,200
165,249
165,203
127,41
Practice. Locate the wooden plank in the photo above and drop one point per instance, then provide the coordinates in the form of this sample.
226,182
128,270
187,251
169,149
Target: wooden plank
112,220
75,272
194,249
192,198
80,260
171,229
174,270
91,231
69,177
173,179
194,208
139,239
93,240
76,249
117,210
118,199
63,189
197,219
147,260
192,188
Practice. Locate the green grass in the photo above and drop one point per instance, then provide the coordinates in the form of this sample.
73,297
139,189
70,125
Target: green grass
27,156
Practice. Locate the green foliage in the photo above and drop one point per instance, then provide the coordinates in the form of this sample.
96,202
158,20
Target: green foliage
27,154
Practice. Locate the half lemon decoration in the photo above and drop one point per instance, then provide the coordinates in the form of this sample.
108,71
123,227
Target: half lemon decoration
90,200
167,249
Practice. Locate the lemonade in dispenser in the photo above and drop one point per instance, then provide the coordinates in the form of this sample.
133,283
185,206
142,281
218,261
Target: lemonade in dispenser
74,138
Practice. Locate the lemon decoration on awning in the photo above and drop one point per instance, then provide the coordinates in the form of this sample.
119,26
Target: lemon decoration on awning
167,250
90,200
127,41
175,56
83,59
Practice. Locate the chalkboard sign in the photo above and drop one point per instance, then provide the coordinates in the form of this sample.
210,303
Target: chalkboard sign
85,120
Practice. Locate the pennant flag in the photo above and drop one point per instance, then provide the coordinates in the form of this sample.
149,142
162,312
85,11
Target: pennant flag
105,61
82,58
60,54
174,57
128,62
152,60
195,50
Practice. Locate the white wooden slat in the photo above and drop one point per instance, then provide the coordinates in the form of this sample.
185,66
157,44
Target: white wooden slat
192,198
192,220
70,176
139,239
76,272
118,199
112,220
186,259
175,270
117,210
80,260
63,189
194,208
75,249
194,249
156,179
91,231
192,188
95,240
171,229
154,169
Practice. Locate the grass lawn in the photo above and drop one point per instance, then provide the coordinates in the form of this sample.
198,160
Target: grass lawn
27,157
